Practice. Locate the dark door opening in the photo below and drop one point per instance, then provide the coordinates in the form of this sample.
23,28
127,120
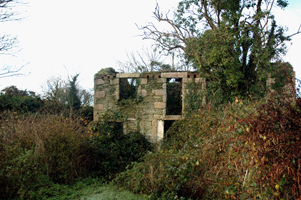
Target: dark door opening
167,125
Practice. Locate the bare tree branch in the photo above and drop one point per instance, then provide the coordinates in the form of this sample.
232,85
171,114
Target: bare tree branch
7,71
296,32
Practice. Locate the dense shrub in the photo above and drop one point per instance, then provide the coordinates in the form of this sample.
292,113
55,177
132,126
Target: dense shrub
20,103
113,150
38,150
243,150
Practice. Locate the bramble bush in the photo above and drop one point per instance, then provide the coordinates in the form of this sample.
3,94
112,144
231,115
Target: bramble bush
240,150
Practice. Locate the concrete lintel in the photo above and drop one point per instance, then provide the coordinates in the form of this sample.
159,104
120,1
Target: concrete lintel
156,117
172,117
159,105
174,75
128,75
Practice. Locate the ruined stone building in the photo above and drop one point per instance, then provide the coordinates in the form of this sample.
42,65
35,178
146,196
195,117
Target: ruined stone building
148,101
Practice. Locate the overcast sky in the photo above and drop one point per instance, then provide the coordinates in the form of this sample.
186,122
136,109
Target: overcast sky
65,37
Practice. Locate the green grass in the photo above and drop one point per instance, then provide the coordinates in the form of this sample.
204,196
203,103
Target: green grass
92,189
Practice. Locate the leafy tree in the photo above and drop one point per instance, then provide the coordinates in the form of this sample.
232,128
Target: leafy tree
232,43
12,98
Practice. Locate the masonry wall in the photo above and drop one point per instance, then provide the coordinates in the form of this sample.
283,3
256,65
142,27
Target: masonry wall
147,115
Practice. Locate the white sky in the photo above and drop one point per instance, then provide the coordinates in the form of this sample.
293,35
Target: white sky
61,37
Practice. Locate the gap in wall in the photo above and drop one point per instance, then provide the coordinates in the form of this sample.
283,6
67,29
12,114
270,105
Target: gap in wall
127,88
174,96
167,125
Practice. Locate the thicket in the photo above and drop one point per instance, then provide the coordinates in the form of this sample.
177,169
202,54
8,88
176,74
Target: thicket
112,149
41,153
239,150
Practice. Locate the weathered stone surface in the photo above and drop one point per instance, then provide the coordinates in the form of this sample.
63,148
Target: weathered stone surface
187,80
143,81
159,105
143,93
160,130
98,107
114,81
161,80
100,94
199,80
98,81
158,92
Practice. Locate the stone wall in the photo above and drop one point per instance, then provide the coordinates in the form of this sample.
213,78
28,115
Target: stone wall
149,113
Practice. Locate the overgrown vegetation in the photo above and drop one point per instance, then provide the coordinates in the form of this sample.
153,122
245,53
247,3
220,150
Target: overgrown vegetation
240,150
113,149
45,148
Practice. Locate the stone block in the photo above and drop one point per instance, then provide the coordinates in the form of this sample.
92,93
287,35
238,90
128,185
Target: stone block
114,81
100,94
143,81
98,107
199,80
159,92
159,105
160,129
98,81
143,93
161,80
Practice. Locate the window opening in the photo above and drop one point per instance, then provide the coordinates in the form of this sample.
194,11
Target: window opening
128,88
174,96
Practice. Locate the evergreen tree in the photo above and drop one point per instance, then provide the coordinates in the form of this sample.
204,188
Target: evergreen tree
74,102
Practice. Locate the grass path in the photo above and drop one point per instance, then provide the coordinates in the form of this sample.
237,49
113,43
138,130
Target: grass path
91,189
